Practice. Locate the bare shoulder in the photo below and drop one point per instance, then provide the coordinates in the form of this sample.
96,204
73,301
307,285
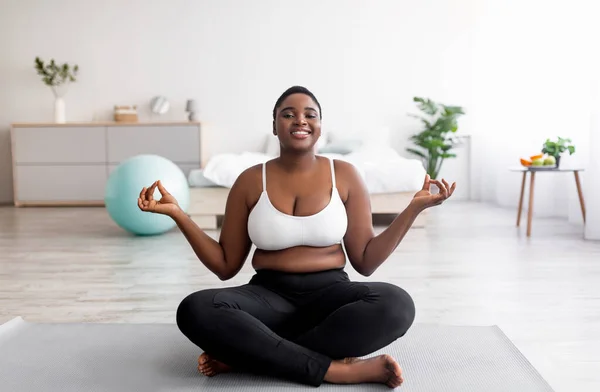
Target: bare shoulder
348,177
250,175
249,183
344,168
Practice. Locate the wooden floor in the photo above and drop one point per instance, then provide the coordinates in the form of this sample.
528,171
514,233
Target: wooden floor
469,266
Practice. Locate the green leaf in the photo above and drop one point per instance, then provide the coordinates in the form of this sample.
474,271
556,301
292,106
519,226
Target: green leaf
444,125
416,152
448,155
437,143
453,110
426,105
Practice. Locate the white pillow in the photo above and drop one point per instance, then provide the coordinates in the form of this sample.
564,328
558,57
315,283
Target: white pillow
224,169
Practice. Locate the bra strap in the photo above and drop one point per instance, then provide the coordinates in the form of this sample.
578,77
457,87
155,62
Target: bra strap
264,176
332,172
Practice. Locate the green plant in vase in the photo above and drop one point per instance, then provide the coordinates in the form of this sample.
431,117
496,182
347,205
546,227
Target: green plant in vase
58,77
434,142
555,148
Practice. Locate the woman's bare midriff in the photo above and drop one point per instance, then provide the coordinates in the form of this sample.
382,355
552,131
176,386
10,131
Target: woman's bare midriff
300,259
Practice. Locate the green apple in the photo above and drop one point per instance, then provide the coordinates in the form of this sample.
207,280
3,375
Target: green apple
550,161
537,162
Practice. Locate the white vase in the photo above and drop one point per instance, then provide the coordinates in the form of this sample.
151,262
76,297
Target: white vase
59,110
59,102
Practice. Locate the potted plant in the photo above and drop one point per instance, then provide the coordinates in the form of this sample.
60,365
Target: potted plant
58,77
558,147
435,141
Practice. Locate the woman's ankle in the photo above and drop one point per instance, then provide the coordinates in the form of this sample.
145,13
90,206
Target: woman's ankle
336,373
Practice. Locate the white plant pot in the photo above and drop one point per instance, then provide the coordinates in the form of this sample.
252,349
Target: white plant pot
59,102
59,110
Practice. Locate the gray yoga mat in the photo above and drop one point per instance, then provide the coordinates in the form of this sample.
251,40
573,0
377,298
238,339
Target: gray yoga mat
156,357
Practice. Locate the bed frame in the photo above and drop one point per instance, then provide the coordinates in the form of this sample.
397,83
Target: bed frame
207,206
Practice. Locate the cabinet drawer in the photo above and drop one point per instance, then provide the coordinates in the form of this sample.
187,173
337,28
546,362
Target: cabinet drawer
60,145
178,143
60,183
186,168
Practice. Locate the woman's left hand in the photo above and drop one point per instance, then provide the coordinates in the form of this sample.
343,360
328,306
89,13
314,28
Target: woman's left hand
424,198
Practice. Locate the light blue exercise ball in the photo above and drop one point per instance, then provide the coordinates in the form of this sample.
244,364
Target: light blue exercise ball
125,184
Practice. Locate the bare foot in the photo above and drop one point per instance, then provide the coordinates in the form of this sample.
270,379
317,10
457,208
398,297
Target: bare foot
347,360
211,367
382,369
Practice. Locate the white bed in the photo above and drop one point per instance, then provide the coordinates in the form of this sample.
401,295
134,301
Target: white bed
391,179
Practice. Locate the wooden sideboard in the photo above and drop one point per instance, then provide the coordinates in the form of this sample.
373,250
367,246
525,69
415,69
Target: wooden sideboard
69,164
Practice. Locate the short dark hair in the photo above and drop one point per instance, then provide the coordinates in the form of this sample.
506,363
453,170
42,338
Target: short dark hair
296,90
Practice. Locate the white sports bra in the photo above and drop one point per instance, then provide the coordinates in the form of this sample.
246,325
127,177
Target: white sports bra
271,229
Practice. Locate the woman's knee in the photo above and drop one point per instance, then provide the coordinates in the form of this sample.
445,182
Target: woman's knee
193,310
397,306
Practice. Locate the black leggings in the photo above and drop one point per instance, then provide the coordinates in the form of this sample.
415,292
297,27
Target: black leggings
292,325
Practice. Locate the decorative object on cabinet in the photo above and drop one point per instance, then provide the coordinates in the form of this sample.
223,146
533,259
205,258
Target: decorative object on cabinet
126,114
192,108
159,105
58,77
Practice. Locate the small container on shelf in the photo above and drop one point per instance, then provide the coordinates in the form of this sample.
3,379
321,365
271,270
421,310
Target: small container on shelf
126,114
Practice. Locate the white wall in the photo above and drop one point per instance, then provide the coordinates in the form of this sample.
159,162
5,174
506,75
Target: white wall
592,228
364,60
532,81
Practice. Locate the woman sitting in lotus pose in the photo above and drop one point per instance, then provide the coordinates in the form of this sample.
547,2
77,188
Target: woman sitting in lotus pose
299,317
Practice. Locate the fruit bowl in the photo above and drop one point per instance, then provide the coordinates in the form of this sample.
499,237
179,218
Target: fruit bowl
539,162
545,167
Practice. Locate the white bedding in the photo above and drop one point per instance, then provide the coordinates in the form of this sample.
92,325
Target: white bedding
382,168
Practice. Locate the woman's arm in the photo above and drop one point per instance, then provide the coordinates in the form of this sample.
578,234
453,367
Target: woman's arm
224,257
367,251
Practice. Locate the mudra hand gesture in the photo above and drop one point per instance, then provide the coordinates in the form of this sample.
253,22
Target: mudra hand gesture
425,199
167,204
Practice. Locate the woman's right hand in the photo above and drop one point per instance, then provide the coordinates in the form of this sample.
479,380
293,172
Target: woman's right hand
167,205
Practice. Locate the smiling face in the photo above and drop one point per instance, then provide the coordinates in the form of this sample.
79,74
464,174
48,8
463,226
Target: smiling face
297,123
